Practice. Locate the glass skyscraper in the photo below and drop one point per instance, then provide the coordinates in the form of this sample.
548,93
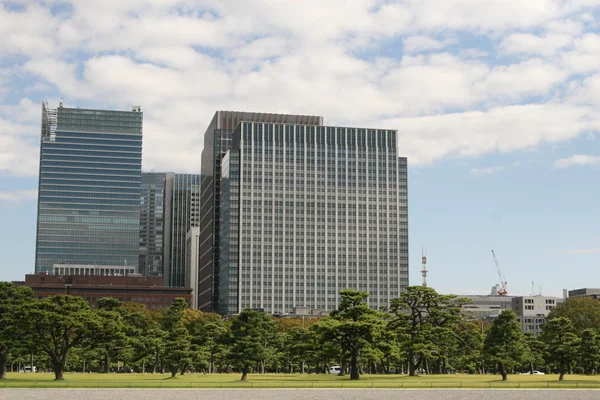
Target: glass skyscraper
152,223
89,188
217,141
307,211
182,212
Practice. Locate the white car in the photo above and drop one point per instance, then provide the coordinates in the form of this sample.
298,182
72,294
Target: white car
335,369
537,373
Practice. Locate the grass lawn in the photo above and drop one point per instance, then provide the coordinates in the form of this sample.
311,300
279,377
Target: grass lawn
79,380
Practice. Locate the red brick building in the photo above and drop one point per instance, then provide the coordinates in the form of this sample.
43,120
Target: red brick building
148,290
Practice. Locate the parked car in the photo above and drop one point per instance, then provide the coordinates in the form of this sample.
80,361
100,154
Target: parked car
28,368
335,369
537,373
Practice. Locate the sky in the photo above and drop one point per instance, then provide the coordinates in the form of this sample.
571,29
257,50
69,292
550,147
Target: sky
496,103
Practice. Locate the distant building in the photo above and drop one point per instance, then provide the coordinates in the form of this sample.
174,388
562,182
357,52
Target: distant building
182,212
152,223
593,293
72,269
485,306
169,207
139,289
89,188
192,249
532,311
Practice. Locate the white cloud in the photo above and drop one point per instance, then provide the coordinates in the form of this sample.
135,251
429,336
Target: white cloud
502,129
577,160
479,172
182,60
527,43
18,195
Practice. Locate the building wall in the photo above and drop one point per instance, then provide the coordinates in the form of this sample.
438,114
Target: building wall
192,249
593,293
532,311
182,211
217,140
152,223
486,306
146,290
321,209
89,187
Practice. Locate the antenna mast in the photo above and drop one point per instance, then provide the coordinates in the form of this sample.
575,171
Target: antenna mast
424,267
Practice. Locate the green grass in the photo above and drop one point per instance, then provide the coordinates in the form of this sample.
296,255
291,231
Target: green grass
78,380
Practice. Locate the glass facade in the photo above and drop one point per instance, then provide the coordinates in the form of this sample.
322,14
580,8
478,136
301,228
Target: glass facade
152,223
89,187
182,212
309,211
217,141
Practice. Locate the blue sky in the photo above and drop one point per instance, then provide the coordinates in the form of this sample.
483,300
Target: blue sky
497,104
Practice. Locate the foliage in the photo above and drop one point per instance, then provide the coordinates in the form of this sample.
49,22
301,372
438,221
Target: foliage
504,344
419,316
583,312
249,337
562,343
60,323
14,301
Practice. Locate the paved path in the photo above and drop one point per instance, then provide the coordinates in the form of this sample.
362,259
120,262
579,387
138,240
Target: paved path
299,394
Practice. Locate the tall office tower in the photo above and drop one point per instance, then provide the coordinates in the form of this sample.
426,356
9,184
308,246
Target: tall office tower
89,188
308,211
217,140
152,223
182,212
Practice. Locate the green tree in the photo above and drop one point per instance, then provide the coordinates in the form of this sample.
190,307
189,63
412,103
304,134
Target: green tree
584,313
177,339
111,336
357,327
13,301
589,351
563,344
420,314
249,332
504,344
60,323
536,352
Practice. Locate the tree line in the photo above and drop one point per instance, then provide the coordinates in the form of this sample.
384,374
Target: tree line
421,332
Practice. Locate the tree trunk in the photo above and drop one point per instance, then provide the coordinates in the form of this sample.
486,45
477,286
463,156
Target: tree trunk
3,358
173,371
106,362
244,373
354,366
59,367
503,372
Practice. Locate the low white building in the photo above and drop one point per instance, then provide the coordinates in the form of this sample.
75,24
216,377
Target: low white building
533,311
73,269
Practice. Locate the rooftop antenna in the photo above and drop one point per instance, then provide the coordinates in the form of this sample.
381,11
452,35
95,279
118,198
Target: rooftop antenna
424,267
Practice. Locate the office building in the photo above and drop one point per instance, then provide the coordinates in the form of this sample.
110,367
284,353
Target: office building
533,311
484,306
152,223
134,288
585,292
182,211
307,211
217,140
192,259
89,188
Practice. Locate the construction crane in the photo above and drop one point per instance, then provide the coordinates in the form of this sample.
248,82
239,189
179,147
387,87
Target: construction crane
501,287
424,267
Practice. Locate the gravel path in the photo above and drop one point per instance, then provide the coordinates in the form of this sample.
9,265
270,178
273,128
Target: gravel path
298,394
